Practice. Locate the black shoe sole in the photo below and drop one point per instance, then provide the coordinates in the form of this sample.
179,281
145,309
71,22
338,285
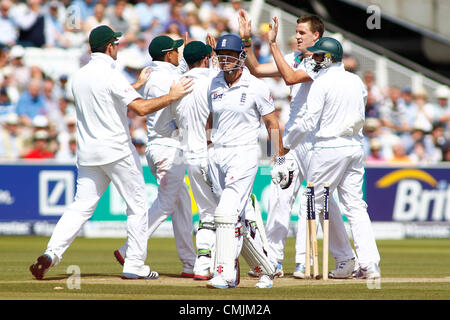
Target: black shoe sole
39,268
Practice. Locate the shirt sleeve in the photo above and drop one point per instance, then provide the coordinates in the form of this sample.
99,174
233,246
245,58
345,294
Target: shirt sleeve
296,130
122,90
264,100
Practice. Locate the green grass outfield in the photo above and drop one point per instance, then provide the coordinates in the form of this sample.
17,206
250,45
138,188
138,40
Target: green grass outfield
413,269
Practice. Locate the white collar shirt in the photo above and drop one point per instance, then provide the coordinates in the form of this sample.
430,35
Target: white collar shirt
158,84
191,113
102,95
335,108
237,110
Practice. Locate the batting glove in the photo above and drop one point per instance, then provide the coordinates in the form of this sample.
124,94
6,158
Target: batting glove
283,171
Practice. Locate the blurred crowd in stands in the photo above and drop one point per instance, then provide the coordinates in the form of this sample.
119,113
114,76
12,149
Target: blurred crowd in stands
37,114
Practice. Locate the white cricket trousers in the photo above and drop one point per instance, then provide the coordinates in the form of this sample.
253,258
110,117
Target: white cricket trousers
279,217
168,167
206,204
232,171
126,175
343,168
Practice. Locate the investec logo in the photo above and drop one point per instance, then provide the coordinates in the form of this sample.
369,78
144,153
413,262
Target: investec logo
56,190
412,201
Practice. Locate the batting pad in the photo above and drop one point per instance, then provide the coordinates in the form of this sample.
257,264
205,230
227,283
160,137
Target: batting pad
225,254
255,256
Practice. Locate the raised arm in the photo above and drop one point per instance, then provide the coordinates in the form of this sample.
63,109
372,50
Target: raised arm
258,70
177,91
289,75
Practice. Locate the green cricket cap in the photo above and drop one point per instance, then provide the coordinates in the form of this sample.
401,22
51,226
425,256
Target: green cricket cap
195,51
101,36
163,44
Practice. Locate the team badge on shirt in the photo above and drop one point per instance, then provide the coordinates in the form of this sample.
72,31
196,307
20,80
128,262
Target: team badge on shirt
243,98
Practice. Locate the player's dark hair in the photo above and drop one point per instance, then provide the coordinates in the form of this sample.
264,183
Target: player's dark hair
315,23
101,49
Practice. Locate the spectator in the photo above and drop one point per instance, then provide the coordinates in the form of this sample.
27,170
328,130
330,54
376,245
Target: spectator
132,62
49,94
211,12
375,155
40,146
140,48
193,6
231,14
374,95
195,29
417,134
118,21
424,111
8,36
446,152
393,114
6,106
145,12
63,136
54,28
259,52
175,26
442,108
369,81
60,87
97,19
20,74
399,157
435,142
31,102
408,103
86,8
69,154
11,138
371,130
31,22
419,156
57,116
264,41
351,64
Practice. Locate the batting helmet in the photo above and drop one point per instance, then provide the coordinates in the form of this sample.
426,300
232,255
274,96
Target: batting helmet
234,43
230,42
328,45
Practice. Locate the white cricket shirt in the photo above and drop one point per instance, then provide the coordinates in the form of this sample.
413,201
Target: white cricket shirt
158,84
191,113
237,110
102,95
334,107
299,94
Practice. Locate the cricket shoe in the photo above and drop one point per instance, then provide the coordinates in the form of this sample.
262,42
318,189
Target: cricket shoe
372,271
119,256
219,282
202,275
299,272
344,269
188,271
265,282
279,271
40,267
253,273
144,273
356,268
